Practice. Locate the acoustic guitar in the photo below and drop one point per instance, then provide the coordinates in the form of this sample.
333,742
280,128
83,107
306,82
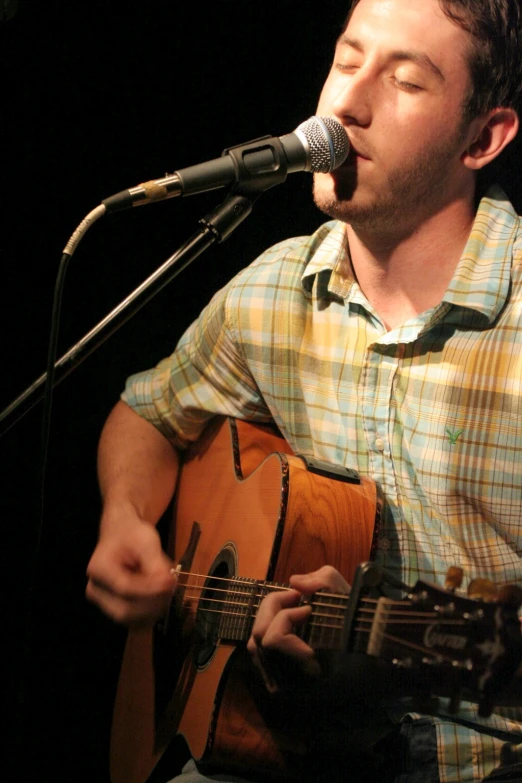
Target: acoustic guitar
248,514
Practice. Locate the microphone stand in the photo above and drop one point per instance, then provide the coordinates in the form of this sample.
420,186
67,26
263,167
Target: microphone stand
214,227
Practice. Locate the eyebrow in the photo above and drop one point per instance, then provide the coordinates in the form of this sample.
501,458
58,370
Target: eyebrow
400,55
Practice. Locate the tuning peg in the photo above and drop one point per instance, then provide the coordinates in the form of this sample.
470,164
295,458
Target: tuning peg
483,589
510,595
454,578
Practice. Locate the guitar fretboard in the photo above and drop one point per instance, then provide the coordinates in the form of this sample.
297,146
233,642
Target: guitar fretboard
233,605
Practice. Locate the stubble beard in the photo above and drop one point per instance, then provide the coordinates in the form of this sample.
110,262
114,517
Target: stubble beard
407,196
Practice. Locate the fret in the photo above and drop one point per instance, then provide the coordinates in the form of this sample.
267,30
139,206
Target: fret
324,628
237,609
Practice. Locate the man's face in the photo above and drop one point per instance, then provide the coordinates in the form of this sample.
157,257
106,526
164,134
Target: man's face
398,85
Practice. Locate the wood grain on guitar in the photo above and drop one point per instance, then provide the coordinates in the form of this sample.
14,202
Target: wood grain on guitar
248,515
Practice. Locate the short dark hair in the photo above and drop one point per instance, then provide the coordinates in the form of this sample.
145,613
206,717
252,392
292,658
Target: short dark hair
495,61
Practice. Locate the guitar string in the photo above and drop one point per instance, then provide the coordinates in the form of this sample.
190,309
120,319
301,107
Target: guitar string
404,643
385,636
269,586
274,587
407,612
341,607
244,582
339,625
412,646
318,623
404,618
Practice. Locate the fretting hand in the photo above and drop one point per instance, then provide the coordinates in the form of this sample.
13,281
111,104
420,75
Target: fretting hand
276,649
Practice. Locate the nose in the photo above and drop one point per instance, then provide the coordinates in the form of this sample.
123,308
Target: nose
352,98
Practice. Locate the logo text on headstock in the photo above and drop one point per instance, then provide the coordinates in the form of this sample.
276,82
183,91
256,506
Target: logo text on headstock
438,638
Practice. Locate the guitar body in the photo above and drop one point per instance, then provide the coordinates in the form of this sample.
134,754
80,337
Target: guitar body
261,515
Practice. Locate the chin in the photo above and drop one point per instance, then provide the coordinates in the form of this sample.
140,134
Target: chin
334,198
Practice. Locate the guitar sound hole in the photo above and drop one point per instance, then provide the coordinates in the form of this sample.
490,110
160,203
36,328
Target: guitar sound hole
211,605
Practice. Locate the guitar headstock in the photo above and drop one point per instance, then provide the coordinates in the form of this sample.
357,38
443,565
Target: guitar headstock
451,644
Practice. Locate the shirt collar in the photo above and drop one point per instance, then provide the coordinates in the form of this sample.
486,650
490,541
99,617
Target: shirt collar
482,277
330,261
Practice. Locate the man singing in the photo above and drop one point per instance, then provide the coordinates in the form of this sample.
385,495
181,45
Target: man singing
388,341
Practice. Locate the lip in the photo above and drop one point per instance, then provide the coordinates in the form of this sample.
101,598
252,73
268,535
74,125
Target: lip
354,157
357,153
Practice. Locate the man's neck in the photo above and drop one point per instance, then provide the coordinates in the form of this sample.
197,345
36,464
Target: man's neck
405,274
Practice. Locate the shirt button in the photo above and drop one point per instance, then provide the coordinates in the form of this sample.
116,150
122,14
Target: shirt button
379,444
384,544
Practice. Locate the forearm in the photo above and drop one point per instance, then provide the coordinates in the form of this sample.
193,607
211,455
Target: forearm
129,575
137,467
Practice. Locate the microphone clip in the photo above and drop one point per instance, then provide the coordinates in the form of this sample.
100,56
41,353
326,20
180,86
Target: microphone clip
260,164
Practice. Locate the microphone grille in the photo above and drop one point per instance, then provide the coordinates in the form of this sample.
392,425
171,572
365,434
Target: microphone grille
327,142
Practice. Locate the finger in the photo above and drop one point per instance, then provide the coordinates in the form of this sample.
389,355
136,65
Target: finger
134,587
269,608
130,585
281,634
281,652
131,576
325,578
125,610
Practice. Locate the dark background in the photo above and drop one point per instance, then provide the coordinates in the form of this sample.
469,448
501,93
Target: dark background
96,97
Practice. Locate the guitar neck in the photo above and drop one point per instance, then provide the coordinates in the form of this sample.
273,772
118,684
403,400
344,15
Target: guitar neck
436,632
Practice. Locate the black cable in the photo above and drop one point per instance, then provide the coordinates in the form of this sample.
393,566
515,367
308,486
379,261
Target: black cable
36,542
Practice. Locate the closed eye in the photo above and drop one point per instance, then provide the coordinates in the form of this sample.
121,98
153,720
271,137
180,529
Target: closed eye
407,85
344,68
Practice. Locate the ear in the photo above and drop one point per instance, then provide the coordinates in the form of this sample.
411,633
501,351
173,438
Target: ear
490,134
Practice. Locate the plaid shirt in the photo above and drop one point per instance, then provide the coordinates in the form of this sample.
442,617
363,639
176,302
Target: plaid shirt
432,410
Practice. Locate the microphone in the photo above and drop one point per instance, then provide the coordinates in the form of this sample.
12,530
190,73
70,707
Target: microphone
319,144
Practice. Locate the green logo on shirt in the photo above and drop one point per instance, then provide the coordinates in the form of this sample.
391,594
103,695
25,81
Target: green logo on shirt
453,435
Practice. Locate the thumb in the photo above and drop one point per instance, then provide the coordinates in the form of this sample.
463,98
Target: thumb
155,569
